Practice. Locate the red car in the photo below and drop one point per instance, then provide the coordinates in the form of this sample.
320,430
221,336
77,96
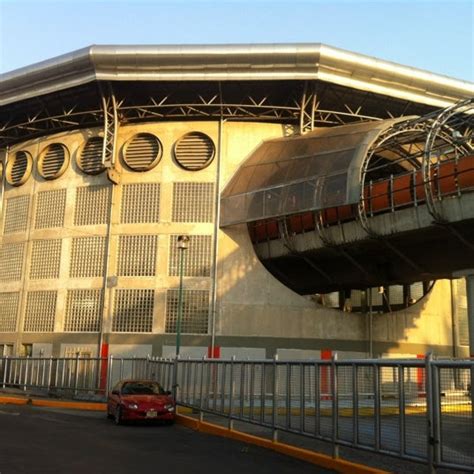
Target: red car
133,400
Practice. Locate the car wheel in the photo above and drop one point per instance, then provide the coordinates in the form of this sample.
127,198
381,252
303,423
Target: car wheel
118,416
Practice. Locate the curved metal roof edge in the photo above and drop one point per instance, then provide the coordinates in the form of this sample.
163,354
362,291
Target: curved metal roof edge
231,62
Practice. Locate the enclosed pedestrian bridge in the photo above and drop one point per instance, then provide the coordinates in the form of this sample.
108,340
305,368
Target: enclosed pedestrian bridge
361,205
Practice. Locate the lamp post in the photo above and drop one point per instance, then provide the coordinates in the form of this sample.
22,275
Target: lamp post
182,242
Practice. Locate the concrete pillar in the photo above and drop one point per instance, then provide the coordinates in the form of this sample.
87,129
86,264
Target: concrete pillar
470,324
470,311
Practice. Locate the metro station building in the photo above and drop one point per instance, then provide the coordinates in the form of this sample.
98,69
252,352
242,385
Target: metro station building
326,198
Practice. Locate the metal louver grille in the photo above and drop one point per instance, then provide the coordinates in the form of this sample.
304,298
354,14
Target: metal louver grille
140,203
18,168
87,257
40,311
8,311
50,208
45,259
11,261
52,161
133,311
192,202
83,310
16,214
195,311
90,160
142,152
197,259
194,151
137,255
92,205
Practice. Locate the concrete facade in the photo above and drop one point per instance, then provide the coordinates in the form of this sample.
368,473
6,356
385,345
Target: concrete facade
250,313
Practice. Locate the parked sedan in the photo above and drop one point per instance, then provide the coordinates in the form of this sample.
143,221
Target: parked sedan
133,400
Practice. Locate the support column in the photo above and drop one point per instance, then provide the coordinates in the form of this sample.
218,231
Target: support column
470,322
470,311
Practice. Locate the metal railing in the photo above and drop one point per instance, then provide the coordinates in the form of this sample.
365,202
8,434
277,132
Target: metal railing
414,409
77,377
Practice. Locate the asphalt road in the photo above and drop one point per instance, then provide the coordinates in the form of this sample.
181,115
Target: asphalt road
40,440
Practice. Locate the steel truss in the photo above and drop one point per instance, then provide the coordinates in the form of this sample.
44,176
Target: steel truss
41,123
414,146
304,104
111,124
451,133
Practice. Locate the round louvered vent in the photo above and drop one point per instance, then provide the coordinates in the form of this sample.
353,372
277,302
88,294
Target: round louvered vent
90,158
142,152
194,151
53,161
19,168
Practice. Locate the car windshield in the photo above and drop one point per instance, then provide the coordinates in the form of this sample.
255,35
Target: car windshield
142,388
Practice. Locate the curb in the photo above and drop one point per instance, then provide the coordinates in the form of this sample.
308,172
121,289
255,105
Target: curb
312,457
93,406
14,401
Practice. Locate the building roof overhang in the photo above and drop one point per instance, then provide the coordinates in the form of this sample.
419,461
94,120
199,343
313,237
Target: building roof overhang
264,62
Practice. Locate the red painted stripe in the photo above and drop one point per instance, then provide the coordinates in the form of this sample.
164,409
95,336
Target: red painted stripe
326,354
104,353
420,376
216,354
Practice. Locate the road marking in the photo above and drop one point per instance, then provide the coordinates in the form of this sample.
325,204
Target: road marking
8,413
50,418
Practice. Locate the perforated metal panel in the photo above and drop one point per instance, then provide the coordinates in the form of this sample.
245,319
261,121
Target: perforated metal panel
50,208
87,257
195,311
83,310
396,294
40,311
53,161
461,310
9,311
140,203
90,158
16,214
45,259
193,202
92,205
133,311
19,168
137,255
416,290
197,257
194,151
142,152
11,261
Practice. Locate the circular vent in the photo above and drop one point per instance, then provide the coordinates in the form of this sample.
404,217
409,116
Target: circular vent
142,152
53,161
90,158
194,151
19,168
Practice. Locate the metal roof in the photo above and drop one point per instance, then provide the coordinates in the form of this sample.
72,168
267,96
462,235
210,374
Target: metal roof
312,61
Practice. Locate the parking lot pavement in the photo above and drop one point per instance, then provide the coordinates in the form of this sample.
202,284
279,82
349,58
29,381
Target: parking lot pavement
38,440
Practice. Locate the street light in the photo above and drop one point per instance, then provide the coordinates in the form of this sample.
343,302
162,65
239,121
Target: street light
183,242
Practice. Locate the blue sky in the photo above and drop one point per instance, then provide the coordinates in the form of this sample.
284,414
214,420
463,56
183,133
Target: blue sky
433,35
